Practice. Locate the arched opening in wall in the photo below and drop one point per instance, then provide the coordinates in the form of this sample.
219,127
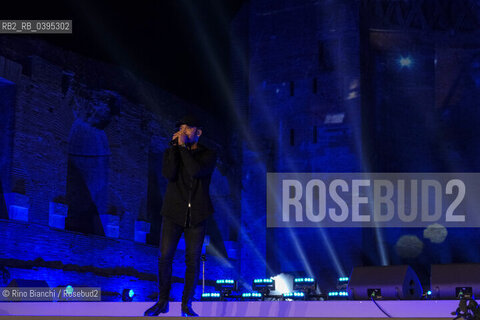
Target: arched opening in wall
88,163
86,190
7,110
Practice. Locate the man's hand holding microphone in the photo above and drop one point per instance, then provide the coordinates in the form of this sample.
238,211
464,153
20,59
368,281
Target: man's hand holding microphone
179,138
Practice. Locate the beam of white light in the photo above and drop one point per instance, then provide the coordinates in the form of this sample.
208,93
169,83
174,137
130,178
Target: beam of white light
381,247
283,284
244,235
332,253
301,253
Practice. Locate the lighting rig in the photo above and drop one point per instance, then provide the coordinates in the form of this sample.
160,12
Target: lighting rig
294,296
263,286
252,296
224,289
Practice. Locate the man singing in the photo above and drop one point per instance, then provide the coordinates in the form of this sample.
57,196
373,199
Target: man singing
188,166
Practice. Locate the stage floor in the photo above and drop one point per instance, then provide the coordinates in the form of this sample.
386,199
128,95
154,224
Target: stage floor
439,309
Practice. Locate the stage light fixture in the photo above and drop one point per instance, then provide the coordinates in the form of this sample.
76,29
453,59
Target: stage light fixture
304,284
226,285
428,295
340,295
343,280
69,289
294,295
263,285
127,295
252,296
342,283
211,296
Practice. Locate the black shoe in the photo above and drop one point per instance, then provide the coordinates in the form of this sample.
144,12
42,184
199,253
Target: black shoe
187,311
160,307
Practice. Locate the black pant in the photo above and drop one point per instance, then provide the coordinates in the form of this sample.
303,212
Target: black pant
169,236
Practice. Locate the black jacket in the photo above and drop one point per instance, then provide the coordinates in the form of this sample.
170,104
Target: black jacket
189,173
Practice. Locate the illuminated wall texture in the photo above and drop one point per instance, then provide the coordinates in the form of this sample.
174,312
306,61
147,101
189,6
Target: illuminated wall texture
342,86
81,175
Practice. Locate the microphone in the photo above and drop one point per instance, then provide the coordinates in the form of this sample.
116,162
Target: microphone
174,142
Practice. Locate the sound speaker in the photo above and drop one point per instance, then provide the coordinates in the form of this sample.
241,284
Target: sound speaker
448,280
387,282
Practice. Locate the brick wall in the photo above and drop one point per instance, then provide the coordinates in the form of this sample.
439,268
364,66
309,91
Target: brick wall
35,171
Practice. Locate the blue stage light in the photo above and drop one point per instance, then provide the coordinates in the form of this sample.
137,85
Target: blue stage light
304,284
69,289
294,295
263,285
211,296
267,281
338,294
226,285
342,283
252,296
428,295
127,295
304,280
